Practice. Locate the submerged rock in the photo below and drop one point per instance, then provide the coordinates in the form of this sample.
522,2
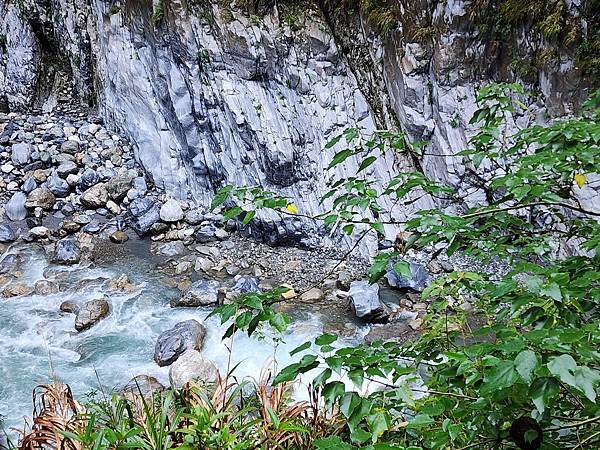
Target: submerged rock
172,343
143,213
200,293
364,298
66,252
191,366
91,313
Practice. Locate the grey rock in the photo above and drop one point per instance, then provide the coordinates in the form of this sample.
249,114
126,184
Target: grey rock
7,234
45,287
29,185
144,385
416,282
246,284
194,216
70,147
88,178
142,214
364,298
92,227
206,233
95,197
191,366
58,186
172,343
66,168
90,313
66,252
200,293
69,307
15,208
174,248
118,186
171,211
21,154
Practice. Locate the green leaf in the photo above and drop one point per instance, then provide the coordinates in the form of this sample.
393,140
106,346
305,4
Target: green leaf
526,362
543,391
366,163
300,348
563,367
402,268
501,376
326,339
340,157
420,421
332,443
248,217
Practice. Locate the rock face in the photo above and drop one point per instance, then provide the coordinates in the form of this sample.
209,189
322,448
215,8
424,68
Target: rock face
66,252
200,293
191,366
90,313
364,298
172,343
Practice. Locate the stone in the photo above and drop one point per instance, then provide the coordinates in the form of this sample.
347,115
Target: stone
194,216
203,264
95,197
58,186
66,252
143,213
88,178
90,313
45,287
121,283
200,293
171,211
416,282
344,279
312,295
66,168
69,307
28,185
16,290
175,341
118,186
206,233
39,175
7,234
221,234
71,147
40,198
15,207
113,207
39,232
144,385
21,154
183,267
245,285
364,298
119,237
415,324
175,248
191,366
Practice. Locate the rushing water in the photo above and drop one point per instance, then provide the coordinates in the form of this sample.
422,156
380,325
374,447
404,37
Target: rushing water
37,340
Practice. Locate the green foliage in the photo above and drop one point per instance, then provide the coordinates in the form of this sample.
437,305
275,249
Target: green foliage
159,13
114,9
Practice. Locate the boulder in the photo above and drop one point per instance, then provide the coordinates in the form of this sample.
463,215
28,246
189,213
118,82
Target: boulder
88,178
29,185
40,198
67,168
246,284
416,282
70,147
21,154
194,216
200,293
118,186
95,197
364,298
15,208
66,252
91,313
171,211
191,366
69,307
58,186
40,232
172,343
45,287
312,295
143,212
119,237
171,249
7,234
144,385
16,290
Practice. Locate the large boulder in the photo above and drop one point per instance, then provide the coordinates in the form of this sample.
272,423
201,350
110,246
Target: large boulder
118,186
143,212
200,293
171,211
91,313
416,282
66,252
21,154
95,197
40,198
15,208
364,298
7,234
144,385
191,366
172,343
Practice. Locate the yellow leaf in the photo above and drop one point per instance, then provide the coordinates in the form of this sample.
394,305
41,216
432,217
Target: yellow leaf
580,179
291,208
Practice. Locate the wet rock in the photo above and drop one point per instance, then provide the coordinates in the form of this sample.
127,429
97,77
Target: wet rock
206,233
91,313
9,264
395,331
70,147
95,197
7,234
21,154
15,208
245,285
40,198
16,290
118,186
159,228
66,252
344,280
121,284
364,298
200,293
171,211
143,213
416,282
119,237
58,186
191,366
45,287
182,337
144,385
69,307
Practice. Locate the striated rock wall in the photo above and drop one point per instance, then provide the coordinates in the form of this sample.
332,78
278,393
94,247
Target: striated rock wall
210,93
